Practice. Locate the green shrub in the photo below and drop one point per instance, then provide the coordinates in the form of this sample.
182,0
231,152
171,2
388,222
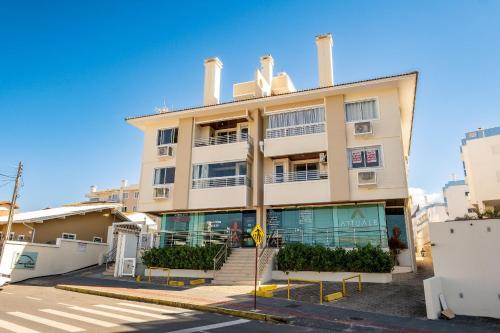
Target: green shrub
182,257
365,259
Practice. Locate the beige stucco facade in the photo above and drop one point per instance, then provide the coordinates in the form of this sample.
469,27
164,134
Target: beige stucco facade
127,195
274,164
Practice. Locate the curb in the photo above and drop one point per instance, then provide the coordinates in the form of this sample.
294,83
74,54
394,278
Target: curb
190,306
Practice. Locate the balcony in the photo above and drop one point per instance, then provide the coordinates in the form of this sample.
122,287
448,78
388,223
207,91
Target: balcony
296,188
220,192
298,139
222,148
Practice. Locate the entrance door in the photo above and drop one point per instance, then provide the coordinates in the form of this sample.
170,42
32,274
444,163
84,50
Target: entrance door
279,171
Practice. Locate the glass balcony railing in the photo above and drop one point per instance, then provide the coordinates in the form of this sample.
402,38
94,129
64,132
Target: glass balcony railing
298,176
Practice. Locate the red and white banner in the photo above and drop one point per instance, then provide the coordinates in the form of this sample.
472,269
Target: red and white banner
371,156
356,157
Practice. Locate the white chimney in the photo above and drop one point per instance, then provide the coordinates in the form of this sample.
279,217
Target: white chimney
124,183
211,93
93,189
267,65
324,44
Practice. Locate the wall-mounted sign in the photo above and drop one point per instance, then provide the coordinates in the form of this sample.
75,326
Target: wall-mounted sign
25,260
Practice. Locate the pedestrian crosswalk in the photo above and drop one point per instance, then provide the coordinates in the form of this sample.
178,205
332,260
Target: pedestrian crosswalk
79,318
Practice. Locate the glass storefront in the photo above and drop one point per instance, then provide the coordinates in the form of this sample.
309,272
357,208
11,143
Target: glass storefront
333,226
396,228
201,228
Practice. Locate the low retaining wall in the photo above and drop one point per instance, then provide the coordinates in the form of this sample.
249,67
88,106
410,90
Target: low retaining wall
22,260
187,273
332,276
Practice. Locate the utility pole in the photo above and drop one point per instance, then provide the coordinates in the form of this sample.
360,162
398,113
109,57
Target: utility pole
13,203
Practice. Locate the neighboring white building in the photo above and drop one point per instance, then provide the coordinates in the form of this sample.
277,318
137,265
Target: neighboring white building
481,159
455,194
432,213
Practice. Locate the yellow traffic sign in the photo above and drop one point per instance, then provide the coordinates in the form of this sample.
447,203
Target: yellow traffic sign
258,234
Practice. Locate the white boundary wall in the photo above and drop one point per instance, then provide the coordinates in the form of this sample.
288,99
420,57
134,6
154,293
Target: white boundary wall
466,268
65,256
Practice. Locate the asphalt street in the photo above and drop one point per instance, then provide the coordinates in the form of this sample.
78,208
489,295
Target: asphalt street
31,309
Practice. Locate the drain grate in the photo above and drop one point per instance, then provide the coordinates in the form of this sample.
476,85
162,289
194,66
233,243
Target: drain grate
355,318
293,305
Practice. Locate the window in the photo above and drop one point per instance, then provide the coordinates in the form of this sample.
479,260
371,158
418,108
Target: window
66,235
94,199
97,239
125,195
167,136
244,132
363,110
134,209
296,118
11,236
114,197
163,176
124,209
365,157
305,171
136,195
227,169
20,238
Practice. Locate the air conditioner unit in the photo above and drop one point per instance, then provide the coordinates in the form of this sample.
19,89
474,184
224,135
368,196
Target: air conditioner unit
367,178
166,151
322,158
363,128
161,192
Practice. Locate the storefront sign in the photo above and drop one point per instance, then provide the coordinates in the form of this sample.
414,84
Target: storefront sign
26,260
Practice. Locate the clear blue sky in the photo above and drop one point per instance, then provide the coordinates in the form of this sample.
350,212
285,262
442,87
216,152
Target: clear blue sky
71,71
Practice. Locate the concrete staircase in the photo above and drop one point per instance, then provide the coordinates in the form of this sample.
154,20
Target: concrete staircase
239,268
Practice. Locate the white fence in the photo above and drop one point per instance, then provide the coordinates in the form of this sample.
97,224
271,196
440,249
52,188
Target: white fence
22,260
466,268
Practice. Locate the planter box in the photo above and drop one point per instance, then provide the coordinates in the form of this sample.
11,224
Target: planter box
333,276
187,273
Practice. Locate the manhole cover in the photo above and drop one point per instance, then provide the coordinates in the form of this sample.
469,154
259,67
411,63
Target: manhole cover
355,318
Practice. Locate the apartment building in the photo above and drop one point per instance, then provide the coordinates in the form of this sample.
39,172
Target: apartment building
127,195
431,213
326,165
480,152
455,194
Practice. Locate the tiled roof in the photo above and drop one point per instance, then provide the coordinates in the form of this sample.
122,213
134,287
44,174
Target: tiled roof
54,213
289,93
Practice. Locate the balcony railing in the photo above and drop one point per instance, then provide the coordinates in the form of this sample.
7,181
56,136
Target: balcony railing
221,140
272,133
220,182
298,176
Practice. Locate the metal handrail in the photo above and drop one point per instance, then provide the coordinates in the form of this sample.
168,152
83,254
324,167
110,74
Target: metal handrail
221,140
266,253
221,256
297,176
212,182
272,133
110,256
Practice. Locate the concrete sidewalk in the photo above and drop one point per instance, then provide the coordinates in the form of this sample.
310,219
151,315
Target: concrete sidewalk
235,300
